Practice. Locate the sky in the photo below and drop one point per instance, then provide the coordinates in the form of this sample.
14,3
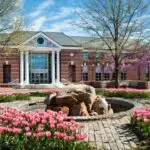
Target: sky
52,15
56,16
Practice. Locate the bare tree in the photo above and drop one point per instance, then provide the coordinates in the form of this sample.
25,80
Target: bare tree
10,21
118,24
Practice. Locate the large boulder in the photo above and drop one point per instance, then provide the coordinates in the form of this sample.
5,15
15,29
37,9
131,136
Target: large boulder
87,98
51,99
64,109
100,105
80,87
79,110
78,100
66,100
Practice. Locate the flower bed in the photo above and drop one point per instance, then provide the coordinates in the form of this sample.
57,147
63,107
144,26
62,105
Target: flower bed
125,93
11,96
141,120
39,130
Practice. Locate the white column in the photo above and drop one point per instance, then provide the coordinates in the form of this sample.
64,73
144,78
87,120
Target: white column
27,67
53,66
58,65
21,67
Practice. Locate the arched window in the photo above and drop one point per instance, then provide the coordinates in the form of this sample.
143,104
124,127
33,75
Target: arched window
85,72
98,72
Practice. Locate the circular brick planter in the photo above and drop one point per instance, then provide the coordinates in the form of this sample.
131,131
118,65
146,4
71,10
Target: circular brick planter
121,107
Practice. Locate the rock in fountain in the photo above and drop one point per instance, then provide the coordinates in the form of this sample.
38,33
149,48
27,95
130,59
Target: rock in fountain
78,100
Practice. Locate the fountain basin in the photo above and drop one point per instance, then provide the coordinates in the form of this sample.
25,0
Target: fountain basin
120,106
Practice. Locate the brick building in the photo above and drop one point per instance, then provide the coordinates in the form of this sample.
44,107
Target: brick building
53,57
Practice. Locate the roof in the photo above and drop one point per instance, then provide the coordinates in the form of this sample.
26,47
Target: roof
20,37
91,43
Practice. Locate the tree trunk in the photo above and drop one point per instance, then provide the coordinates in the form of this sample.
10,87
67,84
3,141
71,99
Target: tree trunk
116,73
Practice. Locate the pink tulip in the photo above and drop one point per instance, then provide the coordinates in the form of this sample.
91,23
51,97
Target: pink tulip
47,133
81,136
28,134
146,121
27,129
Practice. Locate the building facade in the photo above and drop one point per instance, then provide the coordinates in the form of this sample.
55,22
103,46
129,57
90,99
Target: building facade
53,57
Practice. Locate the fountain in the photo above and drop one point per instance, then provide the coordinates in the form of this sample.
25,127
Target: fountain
78,100
82,102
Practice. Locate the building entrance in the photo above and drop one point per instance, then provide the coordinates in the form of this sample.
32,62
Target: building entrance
39,68
6,73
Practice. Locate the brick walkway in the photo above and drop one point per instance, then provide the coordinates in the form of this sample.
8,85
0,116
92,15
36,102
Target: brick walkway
103,134
110,134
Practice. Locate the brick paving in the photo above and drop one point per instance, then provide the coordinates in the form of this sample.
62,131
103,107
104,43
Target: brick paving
103,134
110,134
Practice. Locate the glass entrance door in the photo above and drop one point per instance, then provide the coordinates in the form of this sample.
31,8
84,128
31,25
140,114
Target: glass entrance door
39,68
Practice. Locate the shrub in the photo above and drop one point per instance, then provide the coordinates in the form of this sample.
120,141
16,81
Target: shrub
11,96
125,93
140,119
40,130
39,94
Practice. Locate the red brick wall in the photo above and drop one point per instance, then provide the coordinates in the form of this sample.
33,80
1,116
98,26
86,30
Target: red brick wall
66,60
13,60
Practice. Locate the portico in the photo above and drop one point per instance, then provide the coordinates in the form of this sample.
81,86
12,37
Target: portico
39,61
38,67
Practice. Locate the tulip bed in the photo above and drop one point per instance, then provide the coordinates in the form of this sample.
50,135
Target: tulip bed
39,131
125,93
140,119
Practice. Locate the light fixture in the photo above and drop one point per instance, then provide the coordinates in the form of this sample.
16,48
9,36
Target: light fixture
71,54
6,62
72,63
84,64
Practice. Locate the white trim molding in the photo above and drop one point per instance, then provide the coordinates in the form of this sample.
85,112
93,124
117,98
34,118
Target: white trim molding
43,35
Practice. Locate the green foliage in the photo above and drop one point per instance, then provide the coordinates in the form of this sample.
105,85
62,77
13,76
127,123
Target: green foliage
39,94
141,127
10,98
122,94
42,144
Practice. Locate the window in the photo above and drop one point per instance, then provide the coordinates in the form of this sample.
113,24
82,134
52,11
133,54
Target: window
98,72
85,73
85,56
98,76
147,76
85,76
40,40
123,75
106,76
114,76
97,56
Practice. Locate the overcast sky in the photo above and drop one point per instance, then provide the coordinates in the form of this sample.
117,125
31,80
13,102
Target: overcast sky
55,16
